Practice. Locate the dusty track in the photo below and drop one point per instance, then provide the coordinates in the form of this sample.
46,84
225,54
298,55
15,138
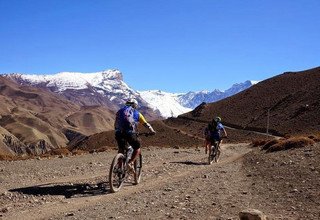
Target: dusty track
172,180
176,184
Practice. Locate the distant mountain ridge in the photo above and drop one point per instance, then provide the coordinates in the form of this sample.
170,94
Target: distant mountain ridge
103,88
193,99
107,88
174,104
286,104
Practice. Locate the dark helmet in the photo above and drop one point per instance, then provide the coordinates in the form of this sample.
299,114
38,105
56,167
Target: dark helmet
132,102
217,119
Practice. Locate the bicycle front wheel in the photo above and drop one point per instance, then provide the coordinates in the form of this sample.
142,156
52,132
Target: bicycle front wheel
216,158
117,173
211,153
137,169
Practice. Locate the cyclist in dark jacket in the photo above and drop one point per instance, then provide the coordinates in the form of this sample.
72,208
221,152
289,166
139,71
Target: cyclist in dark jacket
127,119
213,132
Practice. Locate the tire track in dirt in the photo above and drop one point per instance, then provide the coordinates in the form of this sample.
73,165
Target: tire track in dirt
176,171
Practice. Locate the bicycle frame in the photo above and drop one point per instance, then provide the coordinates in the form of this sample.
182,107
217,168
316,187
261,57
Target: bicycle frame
119,168
214,152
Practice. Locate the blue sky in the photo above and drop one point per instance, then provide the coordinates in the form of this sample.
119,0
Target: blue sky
173,45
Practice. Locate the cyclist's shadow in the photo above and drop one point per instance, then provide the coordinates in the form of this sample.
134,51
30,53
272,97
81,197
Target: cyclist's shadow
188,162
68,190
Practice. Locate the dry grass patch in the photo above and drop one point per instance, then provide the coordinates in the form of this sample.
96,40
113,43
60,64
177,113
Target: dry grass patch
59,151
102,149
294,142
285,143
258,142
79,152
315,137
270,143
6,157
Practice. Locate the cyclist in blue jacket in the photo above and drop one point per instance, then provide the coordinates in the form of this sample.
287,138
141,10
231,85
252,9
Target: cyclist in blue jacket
214,132
127,119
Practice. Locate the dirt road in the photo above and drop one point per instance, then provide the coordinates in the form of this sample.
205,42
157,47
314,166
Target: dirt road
176,184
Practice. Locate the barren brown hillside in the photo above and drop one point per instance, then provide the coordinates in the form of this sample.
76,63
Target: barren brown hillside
33,121
39,120
176,181
291,100
184,135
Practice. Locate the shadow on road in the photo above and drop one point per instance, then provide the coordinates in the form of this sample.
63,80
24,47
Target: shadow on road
188,162
67,190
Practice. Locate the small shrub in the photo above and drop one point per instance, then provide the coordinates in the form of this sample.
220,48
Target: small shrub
6,157
259,142
270,143
102,149
294,142
287,136
59,151
15,157
78,152
315,137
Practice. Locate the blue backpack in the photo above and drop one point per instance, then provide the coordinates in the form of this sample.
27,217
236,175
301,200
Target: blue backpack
125,119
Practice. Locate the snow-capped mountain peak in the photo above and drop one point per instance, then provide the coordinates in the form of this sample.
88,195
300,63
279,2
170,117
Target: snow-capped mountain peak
108,88
99,88
75,80
167,103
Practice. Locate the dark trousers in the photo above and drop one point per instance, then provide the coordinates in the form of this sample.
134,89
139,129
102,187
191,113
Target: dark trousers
126,137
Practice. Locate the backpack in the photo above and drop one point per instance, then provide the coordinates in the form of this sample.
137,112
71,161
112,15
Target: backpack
212,127
125,119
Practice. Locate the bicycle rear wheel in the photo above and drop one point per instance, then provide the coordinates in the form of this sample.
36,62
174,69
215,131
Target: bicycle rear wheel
137,169
117,173
211,154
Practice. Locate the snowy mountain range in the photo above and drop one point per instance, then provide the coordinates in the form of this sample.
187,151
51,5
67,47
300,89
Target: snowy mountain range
107,88
193,99
167,103
174,104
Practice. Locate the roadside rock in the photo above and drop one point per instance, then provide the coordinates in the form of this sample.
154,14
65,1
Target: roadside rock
252,214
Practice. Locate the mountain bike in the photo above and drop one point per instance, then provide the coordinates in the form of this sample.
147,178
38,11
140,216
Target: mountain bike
118,172
214,151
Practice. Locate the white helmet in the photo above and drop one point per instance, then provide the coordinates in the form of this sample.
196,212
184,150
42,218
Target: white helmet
132,102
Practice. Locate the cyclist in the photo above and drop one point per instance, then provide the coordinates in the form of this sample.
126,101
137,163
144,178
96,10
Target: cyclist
214,130
127,119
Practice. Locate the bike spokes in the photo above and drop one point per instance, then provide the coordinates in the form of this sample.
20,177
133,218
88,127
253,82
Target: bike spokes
214,153
117,173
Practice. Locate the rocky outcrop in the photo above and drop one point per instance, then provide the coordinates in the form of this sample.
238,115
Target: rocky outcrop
14,144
